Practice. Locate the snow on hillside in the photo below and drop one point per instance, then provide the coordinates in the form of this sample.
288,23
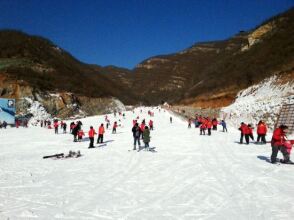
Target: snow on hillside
260,102
187,176
37,110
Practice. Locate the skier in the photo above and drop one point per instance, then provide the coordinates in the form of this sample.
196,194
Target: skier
146,137
189,122
80,135
101,132
75,130
278,143
261,132
55,124
170,119
136,135
142,127
202,128
224,125
250,132
114,127
151,124
71,126
91,134
209,126
244,133
64,127
214,124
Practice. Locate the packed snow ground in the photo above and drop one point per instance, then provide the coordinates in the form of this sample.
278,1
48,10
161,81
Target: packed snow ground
188,177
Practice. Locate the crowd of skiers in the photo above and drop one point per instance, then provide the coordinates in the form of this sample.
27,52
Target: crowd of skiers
141,132
247,132
206,124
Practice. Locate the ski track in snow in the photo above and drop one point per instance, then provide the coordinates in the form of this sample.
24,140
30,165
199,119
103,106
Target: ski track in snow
188,177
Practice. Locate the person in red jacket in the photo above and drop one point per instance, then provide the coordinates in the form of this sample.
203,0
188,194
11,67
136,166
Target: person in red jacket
91,134
151,124
214,124
244,133
209,126
277,143
250,132
202,128
114,127
80,135
101,132
55,124
261,132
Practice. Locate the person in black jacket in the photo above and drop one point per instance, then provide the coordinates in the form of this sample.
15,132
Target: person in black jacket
136,134
76,129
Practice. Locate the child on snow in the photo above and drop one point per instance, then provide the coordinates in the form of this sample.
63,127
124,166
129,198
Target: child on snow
80,135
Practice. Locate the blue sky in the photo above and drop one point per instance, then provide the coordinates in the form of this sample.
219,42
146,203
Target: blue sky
125,32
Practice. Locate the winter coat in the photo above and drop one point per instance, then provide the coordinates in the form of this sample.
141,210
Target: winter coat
55,124
208,124
244,129
81,133
214,123
288,145
92,133
142,127
261,129
136,131
101,130
279,137
146,136
250,130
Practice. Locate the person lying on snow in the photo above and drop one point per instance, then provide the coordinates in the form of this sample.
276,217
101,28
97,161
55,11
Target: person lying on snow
279,142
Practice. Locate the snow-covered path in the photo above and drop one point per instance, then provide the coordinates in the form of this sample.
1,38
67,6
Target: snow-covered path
189,177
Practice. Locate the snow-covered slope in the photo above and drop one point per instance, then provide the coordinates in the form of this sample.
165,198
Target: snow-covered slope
260,102
188,177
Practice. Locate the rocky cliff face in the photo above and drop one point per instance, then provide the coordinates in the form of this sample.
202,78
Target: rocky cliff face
32,102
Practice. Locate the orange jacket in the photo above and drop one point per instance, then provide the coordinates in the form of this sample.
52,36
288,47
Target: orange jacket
261,129
92,133
279,137
81,133
208,124
101,130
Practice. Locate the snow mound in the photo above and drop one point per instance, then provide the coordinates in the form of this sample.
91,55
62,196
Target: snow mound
260,102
